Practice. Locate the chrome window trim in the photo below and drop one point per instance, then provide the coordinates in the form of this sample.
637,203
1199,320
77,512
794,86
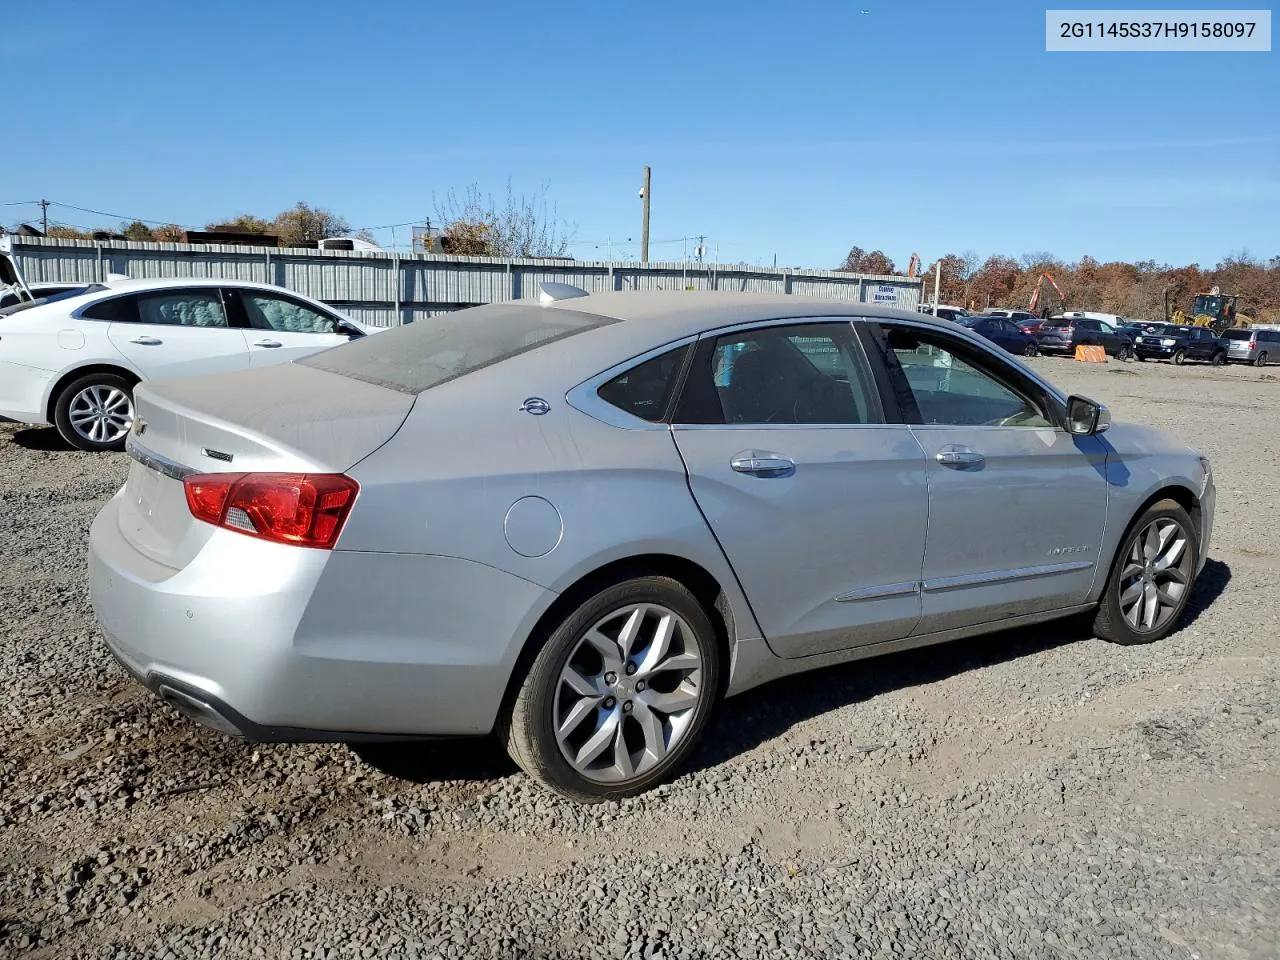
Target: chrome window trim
154,461
1004,576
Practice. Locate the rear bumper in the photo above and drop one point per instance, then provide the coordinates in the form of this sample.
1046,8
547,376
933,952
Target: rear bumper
22,392
272,642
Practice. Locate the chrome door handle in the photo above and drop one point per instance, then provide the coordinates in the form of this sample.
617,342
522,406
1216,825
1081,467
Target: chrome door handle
147,341
267,343
954,456
763,464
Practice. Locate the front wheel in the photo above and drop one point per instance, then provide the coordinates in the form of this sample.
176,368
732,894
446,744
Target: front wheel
95,412
1150,580
1125,352
619,693
1179,357
1031,350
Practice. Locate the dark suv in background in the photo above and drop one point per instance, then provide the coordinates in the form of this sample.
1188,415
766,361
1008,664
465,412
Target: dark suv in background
1182,343
1066,333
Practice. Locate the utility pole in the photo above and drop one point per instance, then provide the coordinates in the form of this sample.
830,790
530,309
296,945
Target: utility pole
644,228
44,217
700,250
937,281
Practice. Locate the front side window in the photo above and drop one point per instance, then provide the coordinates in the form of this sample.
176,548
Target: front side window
1106,327
267,311
181,308
646,390
939,381
794,374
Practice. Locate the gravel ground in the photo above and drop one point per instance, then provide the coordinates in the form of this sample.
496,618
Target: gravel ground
1034,793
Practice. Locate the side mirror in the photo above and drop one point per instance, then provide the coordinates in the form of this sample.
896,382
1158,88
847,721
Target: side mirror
1086,417
350,329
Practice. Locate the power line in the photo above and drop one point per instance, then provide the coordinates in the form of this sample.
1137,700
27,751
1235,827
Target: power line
103,213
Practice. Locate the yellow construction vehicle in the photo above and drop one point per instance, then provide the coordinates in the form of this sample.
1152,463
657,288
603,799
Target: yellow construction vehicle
1214,309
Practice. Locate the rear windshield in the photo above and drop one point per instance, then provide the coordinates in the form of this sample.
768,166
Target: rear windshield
1237,335
425,354
1058,323
12,307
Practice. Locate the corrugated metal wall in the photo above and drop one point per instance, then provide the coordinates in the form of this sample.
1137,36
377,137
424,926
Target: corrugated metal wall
368,286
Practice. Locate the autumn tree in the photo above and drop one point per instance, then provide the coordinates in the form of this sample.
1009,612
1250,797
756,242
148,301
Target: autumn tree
244,223
169,233
59,232
137,230
874,262
303,225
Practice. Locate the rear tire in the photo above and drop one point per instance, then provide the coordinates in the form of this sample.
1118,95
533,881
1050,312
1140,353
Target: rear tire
94,413
589,669
1218,359
1261,360
1141,577
1179,356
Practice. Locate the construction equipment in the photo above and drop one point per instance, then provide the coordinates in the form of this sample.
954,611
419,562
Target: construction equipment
1035,295
1215,310
914,266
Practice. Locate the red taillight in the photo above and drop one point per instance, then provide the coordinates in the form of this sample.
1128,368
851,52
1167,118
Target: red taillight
1253,344
307,510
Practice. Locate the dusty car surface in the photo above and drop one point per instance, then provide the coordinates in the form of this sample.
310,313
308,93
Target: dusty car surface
580,523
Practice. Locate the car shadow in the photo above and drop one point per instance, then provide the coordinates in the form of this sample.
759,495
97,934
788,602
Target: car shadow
768,711
42,439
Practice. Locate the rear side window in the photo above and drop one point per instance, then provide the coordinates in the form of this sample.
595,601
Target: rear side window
182,308
646,390
123,309
422,355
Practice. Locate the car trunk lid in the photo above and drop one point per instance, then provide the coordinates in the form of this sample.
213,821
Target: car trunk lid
285,419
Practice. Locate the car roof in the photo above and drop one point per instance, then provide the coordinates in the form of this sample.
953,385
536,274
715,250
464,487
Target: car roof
660,316
163,283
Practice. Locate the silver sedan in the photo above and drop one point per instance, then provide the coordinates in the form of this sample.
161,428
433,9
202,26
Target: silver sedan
581,521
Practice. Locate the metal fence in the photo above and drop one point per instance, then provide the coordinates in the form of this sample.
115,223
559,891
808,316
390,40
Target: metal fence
386,289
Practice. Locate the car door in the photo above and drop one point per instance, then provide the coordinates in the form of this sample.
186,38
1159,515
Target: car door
820,506
1203,343
179,332
1109,337
280,328
1017,505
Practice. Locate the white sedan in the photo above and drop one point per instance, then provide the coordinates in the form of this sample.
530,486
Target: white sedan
72,359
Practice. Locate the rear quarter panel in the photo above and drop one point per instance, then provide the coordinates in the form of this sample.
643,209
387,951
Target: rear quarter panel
446,484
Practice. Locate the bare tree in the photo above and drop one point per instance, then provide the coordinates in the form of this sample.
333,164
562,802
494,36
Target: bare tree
523,227
244,223
169,233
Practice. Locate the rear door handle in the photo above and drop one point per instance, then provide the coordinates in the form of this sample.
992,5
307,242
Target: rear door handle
763,464
147,341
956,456
267,343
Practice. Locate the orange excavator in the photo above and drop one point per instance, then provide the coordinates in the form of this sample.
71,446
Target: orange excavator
913,267
1035,296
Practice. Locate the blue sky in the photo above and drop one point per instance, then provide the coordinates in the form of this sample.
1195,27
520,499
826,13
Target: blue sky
791,130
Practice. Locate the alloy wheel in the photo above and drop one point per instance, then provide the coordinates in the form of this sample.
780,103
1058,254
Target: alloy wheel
101,413
1156,575
628,693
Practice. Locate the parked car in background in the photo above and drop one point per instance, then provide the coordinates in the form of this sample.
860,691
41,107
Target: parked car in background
943,311
72,359
1004,333
1136,328
1017,316
546,520
1064,334
1032,326
1180,344
1258,347
39,291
